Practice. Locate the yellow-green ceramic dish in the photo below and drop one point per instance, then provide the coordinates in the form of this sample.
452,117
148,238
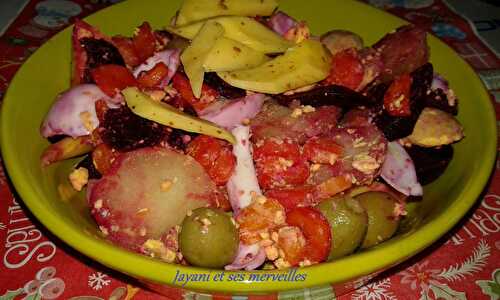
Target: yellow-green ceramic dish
47,73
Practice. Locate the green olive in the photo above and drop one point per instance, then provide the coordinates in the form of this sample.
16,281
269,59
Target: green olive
348,222
208,238
381,222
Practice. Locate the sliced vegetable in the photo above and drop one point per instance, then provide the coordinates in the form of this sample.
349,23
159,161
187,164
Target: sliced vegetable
144,42
215,156
194,10
292,197
229,55
66,148
248,257
170,58
208,238
236,112
340,40
382,220
208,94
398,171
111,79
316,231
153,77
346,69
435,127
146,193
397,97
321,150
194,56
142,105
430,163
243,182
348,223
74,112
303,64
281,23
242,29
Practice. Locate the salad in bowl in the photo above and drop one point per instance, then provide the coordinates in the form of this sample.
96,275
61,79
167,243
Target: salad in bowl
236,139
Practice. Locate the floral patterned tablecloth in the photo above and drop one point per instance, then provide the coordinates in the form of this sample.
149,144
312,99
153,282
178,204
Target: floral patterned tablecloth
465,264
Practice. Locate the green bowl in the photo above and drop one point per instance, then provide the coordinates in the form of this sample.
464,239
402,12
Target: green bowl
47,72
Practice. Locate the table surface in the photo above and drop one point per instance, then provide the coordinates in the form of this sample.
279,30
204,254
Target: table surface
465,264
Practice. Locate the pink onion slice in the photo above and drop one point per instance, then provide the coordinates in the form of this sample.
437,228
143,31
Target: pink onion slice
169,57
234,112
243,182
248,257
73,112
281,23
398,171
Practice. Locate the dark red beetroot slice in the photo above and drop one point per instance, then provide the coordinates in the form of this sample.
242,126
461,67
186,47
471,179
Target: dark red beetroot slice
364,149
402,51
146,192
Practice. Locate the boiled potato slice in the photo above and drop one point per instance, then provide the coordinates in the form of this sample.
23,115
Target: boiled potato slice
229,55
435,127
142,105
242,29
195,10
301,65
195,55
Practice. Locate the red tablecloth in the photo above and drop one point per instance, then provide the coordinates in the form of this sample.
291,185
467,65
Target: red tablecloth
36,265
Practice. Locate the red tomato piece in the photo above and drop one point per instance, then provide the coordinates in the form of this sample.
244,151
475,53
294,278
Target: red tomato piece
126,48
346,69
276,171
144,42
290,198
81,30
397,97
153,77
274,147
316,231
208,94
103,157
215,156
321,150
111,79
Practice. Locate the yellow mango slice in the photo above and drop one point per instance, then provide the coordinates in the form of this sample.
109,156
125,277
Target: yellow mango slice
435,127
66,148
242,29
195,10
142,105
306,63
229,55
194,56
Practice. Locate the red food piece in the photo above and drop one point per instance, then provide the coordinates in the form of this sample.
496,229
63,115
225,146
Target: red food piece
293,197
322,150
127,49
279,163
103,157
208,94
274,147
277,121
101,108
81,30
316,231
364,149
147,192
111,79
346,69
402,51
153,77
144,42
259,217
215,156
292,242
397,97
